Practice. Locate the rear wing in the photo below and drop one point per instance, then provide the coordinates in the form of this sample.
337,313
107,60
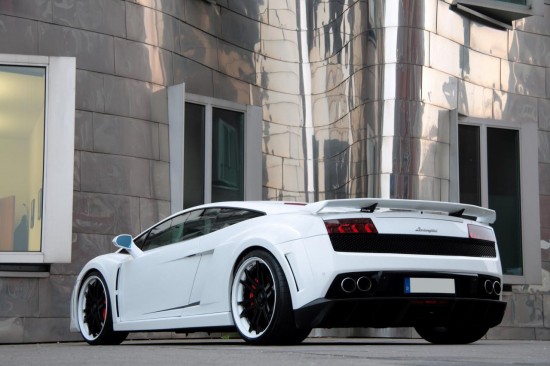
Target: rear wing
481,214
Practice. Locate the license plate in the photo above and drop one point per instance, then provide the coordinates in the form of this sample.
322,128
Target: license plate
421,285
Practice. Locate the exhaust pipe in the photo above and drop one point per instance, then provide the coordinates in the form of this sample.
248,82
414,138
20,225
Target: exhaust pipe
488,285
497,288
348,285
364,284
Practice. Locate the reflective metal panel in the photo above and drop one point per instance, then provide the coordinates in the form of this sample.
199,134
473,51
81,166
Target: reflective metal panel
439,89
93,51
278,75
231,89
446,55
89,91
198,78
523,79
282,108
451,24
203,15
283,14
489,40
544,115
481,69
544,147
474,100
142,62
197,45
30,9
151,26
26,43
529,48
125,136
514,107
236,62
101,16
255,9
280,43
240,30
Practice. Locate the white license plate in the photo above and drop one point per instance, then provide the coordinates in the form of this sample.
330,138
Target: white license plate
414,285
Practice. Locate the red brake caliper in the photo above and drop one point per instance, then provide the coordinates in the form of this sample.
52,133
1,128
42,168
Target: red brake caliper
104,311
251,295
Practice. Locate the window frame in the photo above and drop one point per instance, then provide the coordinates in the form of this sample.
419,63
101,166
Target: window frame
58,163
529,188
177,97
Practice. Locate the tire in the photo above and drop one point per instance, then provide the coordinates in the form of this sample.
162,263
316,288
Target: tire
261,304
451,335
94,314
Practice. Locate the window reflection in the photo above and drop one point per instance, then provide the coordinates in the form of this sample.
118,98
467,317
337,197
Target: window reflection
22,106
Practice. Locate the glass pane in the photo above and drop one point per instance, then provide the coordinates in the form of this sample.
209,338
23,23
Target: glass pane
193,150
22,104
469,164
227,155
159,236
518,2
504,195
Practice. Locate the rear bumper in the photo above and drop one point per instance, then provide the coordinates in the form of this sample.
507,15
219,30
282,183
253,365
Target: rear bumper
383,300
399,312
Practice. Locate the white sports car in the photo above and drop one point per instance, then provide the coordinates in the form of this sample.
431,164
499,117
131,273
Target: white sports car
275,270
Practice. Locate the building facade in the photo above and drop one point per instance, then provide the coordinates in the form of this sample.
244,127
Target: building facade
113,114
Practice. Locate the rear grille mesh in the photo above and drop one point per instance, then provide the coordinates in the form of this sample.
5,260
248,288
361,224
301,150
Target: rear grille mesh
412,244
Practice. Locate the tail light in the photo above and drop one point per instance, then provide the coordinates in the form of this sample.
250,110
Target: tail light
351,226
480,232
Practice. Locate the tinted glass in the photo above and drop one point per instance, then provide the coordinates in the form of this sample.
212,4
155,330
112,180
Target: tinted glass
159,236
227,155
504,195
224,217
469,164
193,168
22,106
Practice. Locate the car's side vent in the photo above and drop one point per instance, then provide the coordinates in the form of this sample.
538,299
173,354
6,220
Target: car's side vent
413,244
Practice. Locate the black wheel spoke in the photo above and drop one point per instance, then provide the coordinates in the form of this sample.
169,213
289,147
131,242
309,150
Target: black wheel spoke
95,307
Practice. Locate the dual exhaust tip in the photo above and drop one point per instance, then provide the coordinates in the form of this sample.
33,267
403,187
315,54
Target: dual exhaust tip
492,287
364,284
349,285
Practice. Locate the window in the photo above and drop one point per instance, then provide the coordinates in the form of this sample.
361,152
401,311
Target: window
22,112
499,12
193,224
215,150
496,162
36,158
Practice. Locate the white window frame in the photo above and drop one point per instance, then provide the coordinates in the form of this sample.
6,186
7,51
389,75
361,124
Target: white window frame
57,214
177,97
529,190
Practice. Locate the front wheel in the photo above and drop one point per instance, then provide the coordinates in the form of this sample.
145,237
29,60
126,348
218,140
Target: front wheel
94,312
451,335
261,304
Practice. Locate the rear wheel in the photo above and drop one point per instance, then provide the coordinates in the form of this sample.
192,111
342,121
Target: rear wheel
261,303
94,312
451,335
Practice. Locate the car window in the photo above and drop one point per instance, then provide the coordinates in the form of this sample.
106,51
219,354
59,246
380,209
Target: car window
159,236
225,217
193,224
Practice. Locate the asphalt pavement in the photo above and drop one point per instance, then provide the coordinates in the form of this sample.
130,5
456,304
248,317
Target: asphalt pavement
314,351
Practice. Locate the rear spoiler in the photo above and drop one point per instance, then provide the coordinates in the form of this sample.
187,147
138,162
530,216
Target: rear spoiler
481,214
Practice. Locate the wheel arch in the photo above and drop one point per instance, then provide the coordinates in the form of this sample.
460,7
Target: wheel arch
277,254
107,266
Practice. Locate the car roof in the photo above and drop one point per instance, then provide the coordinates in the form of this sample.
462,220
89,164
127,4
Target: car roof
268,207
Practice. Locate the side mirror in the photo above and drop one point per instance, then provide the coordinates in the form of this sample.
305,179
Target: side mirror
126,242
